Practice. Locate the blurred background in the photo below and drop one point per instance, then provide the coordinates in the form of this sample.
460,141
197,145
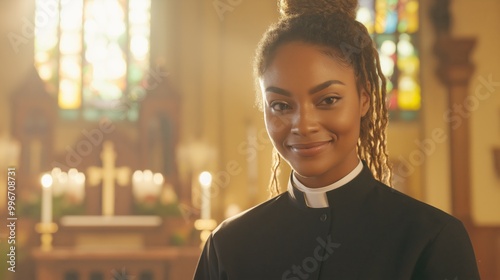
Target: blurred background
128,128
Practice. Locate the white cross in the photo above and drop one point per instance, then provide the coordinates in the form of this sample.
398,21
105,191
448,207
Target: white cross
107,175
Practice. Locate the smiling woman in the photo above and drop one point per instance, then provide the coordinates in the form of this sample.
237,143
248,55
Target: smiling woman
323,97
322,116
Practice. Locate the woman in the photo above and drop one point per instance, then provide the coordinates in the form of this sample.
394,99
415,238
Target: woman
323,97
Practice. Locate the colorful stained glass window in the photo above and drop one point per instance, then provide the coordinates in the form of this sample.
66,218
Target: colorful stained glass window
394,27
94,55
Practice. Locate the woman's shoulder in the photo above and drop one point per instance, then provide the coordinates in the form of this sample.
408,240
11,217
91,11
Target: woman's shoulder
397,204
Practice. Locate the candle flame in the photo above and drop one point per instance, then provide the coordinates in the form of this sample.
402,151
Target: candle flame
46,181
205,179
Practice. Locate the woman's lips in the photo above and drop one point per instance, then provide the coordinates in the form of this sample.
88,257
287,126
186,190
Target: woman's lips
309,149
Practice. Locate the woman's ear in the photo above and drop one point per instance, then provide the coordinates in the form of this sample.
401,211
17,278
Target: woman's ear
364,102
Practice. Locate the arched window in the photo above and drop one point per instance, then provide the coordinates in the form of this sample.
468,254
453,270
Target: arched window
394,26
94,55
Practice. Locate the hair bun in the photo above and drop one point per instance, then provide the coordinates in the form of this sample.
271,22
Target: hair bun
289,8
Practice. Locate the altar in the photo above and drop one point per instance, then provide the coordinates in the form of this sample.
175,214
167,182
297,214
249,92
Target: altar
137,264
118,247
109,246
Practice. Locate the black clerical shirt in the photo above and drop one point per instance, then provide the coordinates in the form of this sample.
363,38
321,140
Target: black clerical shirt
369,231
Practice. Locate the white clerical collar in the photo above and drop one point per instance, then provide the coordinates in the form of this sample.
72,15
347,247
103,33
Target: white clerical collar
316,197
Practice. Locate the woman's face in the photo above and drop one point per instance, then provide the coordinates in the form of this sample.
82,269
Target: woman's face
312,112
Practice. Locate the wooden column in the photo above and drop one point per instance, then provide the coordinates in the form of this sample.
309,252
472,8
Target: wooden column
455,71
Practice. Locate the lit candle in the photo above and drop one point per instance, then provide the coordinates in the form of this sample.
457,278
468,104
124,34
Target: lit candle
75,187
46,199
205,182
146,184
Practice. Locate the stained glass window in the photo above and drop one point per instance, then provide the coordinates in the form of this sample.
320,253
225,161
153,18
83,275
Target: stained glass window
394,27
94,55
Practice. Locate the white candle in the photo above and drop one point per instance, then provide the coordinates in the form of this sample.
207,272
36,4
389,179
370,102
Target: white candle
205,182
80,186
147,184
46,199
75,187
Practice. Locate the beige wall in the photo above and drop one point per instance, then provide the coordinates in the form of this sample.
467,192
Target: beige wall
14,62
480,19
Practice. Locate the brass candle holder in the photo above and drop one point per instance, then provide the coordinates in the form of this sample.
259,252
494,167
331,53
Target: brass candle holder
46,230
205,226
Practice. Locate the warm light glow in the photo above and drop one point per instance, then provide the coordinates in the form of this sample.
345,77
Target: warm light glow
69,95
108,90
80,178
158,178
71,15
63,178
116,29
111,35
137,176
139,46
205,179
139,5
409,65
56,172
148,175
72,172
70,66
96,51
41,57
407,84
405,48
366,14
116,67
46,181
70,43
388,47
409,94
387,65
45,72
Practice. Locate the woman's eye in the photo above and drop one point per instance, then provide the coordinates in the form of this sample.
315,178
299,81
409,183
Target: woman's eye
329,100
279,106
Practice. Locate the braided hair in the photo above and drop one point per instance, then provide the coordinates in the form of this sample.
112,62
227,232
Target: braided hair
332,24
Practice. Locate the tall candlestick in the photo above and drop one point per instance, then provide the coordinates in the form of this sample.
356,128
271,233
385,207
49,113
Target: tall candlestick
46,199
205,182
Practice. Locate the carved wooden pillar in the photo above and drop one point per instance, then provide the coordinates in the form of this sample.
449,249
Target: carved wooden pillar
34,116
159,127
455,71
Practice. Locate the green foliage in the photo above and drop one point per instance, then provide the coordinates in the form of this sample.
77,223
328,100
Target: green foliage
157,208
61,206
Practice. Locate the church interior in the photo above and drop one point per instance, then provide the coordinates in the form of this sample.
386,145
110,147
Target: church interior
129,130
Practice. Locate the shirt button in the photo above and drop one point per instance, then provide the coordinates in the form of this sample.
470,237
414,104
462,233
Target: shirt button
323,217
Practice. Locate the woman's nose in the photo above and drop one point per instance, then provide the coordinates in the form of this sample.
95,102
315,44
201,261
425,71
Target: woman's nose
305,120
